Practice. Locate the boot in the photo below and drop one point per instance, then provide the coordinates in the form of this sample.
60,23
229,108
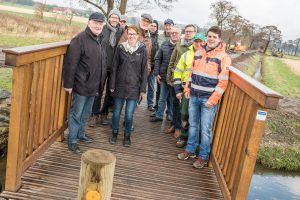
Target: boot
104,120
92,121
113,138
126,141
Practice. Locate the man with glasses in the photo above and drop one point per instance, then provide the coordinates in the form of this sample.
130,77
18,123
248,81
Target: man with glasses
123,21
151,78
162,59
181,47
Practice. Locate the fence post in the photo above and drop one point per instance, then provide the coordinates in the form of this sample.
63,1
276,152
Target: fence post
96,175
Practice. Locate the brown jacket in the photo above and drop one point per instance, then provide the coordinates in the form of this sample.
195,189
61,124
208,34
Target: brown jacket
145,38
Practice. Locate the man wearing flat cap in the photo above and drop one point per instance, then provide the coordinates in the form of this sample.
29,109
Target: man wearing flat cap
112,32
84,71
144,35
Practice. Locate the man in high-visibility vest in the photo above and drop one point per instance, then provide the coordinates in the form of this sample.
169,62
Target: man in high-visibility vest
205,86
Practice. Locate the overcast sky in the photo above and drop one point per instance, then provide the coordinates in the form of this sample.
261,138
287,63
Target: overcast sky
282,13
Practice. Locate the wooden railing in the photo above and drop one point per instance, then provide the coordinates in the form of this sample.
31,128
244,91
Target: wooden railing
38,106
238,130
39,109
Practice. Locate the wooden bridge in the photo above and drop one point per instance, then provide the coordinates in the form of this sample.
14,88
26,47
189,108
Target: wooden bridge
39,165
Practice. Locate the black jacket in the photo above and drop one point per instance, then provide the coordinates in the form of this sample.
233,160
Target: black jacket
84,67
154,48
129,73
110,51
162,59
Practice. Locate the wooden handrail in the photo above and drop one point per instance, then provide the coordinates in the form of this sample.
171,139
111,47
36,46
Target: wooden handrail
38,105
238,130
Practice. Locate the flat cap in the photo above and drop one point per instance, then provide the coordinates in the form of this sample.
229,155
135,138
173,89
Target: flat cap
96,16
147,16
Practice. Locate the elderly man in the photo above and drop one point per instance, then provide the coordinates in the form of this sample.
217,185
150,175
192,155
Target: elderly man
111,36
84,72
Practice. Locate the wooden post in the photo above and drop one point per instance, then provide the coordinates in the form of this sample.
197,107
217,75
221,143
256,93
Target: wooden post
96,175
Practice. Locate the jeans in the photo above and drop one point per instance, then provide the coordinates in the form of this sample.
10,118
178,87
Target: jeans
176,110
151,89
107,99
129,110
164,99
81,109
202,117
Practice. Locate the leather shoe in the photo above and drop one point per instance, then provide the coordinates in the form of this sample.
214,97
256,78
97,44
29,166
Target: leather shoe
150,108
156,119
87,139
74,148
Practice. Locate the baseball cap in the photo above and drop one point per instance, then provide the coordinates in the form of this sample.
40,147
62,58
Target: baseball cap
199,36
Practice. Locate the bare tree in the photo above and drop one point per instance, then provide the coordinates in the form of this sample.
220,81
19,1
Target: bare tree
235,25
272,34
297,41
222,11
39,9
125,6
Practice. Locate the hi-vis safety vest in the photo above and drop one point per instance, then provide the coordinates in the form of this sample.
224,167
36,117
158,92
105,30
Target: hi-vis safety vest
209,75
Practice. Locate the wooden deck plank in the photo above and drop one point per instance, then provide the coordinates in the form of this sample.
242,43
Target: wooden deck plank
148,169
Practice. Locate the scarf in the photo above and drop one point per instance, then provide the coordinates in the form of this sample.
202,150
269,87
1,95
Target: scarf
130,49
112,36
187,42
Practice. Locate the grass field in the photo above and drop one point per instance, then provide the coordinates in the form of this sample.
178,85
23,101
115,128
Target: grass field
280,78
5,78
250,68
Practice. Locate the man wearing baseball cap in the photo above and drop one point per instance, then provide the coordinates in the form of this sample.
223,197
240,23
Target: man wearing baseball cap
84,72
168,23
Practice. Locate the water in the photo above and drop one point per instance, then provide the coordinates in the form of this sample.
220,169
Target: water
269,184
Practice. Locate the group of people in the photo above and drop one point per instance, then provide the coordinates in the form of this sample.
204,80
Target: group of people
187,75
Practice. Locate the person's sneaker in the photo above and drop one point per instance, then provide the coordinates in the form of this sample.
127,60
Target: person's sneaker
92,121
169,118
87,139
74,148
104,120
170,130
113,139
127,141
156,119
180,142
150,108
186,155
200,163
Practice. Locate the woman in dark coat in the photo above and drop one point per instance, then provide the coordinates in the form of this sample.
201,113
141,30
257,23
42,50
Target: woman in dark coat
128,81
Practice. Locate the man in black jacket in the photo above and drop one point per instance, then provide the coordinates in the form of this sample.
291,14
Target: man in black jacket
151,78
111,36
83,74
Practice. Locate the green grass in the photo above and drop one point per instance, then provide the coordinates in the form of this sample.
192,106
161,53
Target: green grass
280,78
13,40
251,65
292,57
284,158
49,19
5,78
16,5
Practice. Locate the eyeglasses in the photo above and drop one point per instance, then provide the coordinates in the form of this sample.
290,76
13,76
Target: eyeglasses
188,32
132,34
146,20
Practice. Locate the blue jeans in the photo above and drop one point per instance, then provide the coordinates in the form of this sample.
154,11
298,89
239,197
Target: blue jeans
129,110
164,99
150,92
81,109
176,110
200,117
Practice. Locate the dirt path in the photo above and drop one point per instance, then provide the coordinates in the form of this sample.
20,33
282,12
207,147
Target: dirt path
294,65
